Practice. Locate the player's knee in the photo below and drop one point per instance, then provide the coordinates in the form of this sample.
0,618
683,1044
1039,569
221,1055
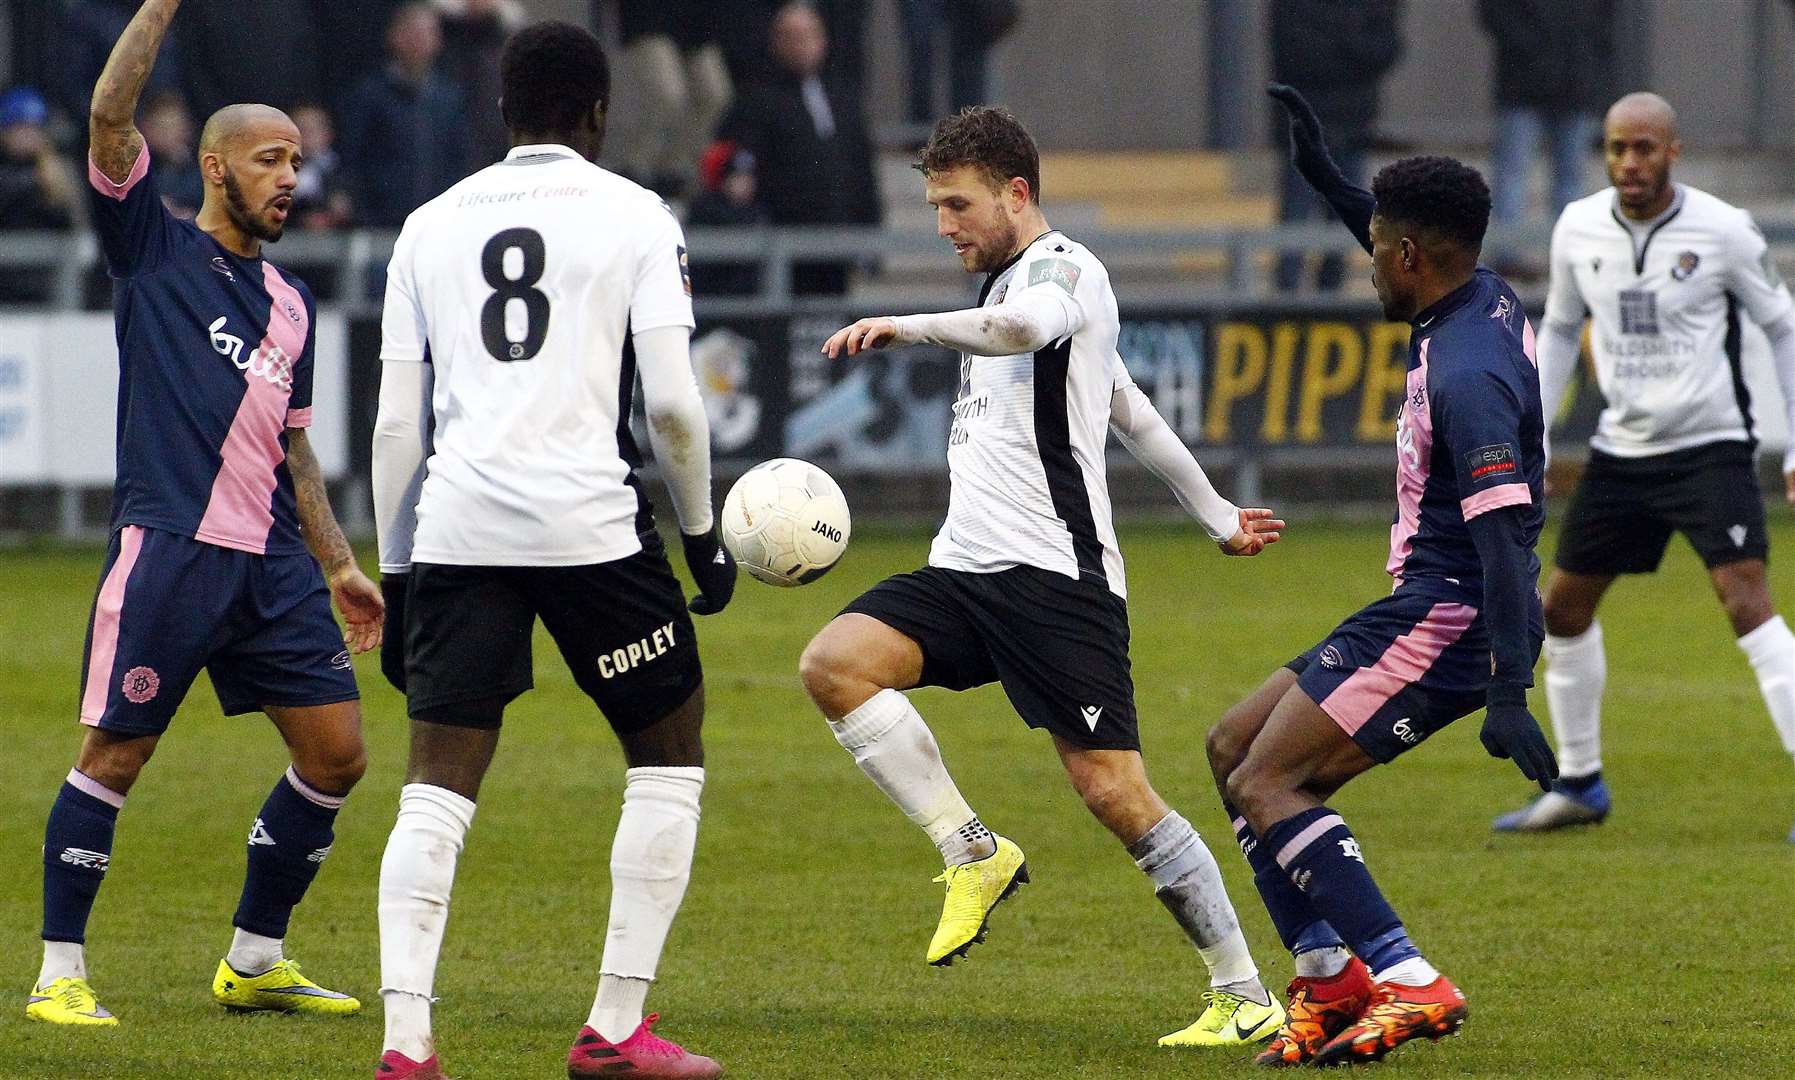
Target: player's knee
335,768
1225,746
114,763
827,670
1246,789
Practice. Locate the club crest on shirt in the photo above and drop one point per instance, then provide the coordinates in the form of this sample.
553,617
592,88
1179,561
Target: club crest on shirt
1686,264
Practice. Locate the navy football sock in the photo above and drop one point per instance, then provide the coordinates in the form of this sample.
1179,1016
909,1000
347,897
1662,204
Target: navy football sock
1298,925
287,845
1320,856
1577,785
77,849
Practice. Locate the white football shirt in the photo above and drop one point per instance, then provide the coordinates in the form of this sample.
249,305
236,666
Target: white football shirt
1025,452
1665,299
520,286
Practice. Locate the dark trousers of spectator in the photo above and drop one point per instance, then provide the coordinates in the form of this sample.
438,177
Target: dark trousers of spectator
925,22
1298,202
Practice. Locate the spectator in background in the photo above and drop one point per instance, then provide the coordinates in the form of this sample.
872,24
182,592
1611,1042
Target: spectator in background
321,201
1553,81
730,198
814,160
673,54
169,131
1337,53
405,137
474,34
37,188
971,28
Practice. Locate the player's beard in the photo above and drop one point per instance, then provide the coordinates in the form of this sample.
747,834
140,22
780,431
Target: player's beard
1002,246
241,216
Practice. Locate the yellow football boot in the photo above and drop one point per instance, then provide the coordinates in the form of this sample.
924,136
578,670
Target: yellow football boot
973,889
279,989
1230,1020
68,1001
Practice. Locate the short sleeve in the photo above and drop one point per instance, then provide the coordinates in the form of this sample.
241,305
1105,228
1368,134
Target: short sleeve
1564,301
1477,416
1752,276
663,293
299,400
402,327
132,224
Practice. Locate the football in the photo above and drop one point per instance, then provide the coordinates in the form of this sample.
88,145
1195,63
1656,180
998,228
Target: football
785,521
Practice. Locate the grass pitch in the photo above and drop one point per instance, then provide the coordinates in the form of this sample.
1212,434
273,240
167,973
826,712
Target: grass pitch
1657,945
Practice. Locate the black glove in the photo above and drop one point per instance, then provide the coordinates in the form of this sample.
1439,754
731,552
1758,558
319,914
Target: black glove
1510,731
392,642
712,570
1306,141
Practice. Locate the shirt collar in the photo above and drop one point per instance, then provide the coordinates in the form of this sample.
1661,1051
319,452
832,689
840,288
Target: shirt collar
1445,305
540,150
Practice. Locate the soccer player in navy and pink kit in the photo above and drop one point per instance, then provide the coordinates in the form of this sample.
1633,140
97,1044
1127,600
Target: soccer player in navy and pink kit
1460,631
218,499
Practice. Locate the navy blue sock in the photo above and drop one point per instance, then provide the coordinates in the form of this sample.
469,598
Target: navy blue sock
1319,854
287,846
1577,785
77,849
1298,926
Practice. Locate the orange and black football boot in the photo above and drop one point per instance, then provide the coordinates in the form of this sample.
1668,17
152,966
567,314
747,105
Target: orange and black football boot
1397,1014
1319,1009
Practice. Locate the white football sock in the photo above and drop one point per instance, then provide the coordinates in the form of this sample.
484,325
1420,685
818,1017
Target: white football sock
651,861
897,752
62,960
253,954
1415,971
416,875
1576,672
1323,963
1189,883
1771,650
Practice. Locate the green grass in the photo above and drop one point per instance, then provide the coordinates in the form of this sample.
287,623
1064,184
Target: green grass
1658,945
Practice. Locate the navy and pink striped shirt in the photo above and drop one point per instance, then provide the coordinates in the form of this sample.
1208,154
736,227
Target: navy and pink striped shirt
215,364
1470,435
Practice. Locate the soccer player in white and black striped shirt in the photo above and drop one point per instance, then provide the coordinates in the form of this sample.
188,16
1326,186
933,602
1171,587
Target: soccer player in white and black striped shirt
1024,584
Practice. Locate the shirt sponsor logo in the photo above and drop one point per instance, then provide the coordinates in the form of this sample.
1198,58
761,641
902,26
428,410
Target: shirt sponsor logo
636,653
1686,264
270,364
1638,311
1496,461
1061,272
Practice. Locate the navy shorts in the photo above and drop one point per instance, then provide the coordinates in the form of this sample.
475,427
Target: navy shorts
1058,646
169,606
1403,667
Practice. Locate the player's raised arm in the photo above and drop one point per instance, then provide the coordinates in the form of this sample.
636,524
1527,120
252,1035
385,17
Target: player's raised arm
114,140
1309,151
1154,444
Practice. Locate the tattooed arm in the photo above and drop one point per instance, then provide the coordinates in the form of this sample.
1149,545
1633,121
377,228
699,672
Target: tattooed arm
357,598
114,141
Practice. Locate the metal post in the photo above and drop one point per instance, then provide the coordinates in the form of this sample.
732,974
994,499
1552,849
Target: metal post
1230,40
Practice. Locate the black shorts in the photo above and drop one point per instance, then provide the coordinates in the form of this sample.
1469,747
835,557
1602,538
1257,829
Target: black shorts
1625,509
621,626
1058,646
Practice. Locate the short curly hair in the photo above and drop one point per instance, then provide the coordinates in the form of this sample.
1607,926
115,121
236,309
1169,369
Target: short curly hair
987,138
552,74
1434,194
